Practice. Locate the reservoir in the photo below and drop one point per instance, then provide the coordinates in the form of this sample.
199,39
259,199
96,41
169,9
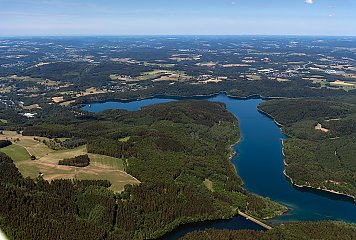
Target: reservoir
259,162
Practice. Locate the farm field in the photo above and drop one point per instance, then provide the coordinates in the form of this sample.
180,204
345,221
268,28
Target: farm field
100,168
16,152
347,86
155,75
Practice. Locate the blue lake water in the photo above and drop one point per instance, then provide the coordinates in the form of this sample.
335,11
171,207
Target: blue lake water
127,105
259,162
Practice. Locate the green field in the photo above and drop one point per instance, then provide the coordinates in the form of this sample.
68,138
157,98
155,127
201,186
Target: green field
68,153
349,86
16,152
116,163
34,148
151,75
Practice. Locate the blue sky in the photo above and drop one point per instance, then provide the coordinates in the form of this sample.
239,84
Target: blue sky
177,17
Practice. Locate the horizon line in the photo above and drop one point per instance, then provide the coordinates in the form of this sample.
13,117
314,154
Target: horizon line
173,35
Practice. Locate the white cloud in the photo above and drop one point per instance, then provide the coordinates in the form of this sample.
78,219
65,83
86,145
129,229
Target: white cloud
309,1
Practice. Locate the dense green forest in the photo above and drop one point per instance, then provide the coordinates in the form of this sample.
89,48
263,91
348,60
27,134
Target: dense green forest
321,149
173,149
288,231
62,209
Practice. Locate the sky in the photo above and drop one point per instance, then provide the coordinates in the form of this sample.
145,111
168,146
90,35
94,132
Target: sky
177,17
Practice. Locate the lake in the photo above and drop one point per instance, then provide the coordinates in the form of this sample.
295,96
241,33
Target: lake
259,162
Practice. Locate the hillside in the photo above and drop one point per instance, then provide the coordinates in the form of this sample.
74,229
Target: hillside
321,149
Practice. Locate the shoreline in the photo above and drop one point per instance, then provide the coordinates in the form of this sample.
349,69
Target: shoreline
232,155
308,186
271,117
174,97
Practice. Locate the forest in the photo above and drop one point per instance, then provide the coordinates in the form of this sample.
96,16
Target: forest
321,148
5,143
61,209
287,231
78,161
171,148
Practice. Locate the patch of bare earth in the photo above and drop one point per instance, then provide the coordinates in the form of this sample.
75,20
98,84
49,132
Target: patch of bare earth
320,128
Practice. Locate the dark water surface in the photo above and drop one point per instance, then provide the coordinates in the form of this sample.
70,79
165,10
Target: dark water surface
236,223
259,162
